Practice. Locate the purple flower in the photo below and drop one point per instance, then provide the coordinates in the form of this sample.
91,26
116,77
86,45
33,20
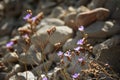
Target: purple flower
67,54
33,19
44,78
81,28
27,16
76,75
77,48
80,42
80,59
60,53
25,36
9,44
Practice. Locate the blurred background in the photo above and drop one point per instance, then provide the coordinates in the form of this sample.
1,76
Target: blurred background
13,11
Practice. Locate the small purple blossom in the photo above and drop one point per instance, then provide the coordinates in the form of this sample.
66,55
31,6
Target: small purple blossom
77,48
80,42
9,44
27,16
25,36
80,59
33,19
67,54
81,28
60,53
76,75
44,78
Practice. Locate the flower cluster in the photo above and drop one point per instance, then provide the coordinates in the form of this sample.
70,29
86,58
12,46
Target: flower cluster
82,49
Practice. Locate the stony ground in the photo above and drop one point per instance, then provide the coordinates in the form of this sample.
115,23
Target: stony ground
100,19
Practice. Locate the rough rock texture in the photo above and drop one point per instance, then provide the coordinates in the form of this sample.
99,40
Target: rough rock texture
10,57
101,29
87,18
61,34
31,56
106,45
22,76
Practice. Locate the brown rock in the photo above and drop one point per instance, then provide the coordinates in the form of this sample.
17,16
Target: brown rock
87,18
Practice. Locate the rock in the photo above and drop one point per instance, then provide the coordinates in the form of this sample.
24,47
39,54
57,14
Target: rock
108,52
82,2
15,69
54,57
71,9
82,9
3,75
106,45
10,57
48,49
53,22
112,5
70,44
114,8
6,26
31,56
61,34
41,37
23,76
70,19
45,7
12,7
97,3
101,29
87,18
1,10
41,68
4,40
57,12
55,74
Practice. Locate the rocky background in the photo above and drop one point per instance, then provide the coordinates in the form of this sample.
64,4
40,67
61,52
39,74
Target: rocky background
101,19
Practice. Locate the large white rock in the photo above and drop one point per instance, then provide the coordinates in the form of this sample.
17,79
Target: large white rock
23,76
61,34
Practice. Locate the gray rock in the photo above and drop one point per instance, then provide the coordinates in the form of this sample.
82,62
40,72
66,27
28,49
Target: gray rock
83,2
108,52
3,75
54,57
70,44
4,40
42,68
112,5
22,76
48,49
82,9
10,9
41,37
6,26
101,29
53,22
45,6
70,19
15,69
31,56
61,34
106,45
10,57
57,12
2,7
97,3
